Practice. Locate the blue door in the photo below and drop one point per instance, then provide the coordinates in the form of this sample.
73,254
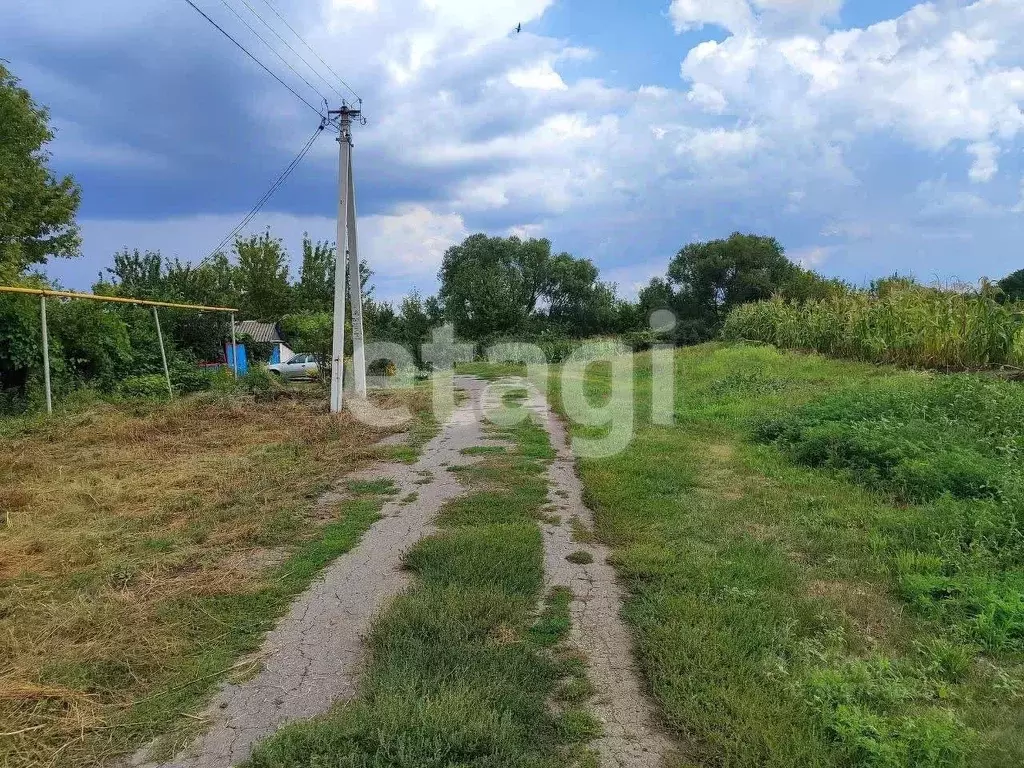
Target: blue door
243,359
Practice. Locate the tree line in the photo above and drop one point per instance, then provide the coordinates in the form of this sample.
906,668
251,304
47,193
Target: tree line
490,288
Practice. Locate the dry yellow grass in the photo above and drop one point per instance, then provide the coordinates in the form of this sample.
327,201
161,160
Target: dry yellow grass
124,532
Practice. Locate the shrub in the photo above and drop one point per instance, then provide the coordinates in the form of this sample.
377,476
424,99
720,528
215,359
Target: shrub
187,377
150,386
258,379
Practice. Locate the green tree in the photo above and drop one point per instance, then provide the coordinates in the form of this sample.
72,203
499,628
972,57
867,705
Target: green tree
93,341
1012,286
313,333
708,279
147,275
491,285
37,209
579,304
20,345
315,289
265,291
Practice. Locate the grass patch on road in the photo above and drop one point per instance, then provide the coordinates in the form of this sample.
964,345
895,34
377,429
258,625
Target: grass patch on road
147,548
458,672
821,615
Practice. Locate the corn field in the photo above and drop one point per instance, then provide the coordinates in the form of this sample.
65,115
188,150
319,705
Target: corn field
897,321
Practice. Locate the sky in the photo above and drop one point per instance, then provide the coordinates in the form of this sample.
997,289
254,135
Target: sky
868,136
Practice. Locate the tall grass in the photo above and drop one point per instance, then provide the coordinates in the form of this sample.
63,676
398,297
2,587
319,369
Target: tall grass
897,321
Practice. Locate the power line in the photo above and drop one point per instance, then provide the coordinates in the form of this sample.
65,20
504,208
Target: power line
298,55
246,52
268,194
311,50
272,49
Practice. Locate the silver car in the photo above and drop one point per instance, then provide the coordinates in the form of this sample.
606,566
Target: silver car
301,366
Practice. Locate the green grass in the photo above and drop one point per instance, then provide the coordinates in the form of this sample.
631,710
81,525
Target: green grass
490,371
482,450
580,557
238,621
381,486
773,622
458,673
948,451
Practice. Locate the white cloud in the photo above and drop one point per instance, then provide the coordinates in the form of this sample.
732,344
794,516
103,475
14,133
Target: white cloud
363,6
719,144
733,15
541,77
707,98
812,257
740,16
985,165
934,78
472,126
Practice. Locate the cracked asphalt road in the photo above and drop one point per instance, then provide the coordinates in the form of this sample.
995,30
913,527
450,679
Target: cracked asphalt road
633,736
313,657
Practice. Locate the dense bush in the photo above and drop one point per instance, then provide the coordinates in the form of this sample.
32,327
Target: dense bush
897,321
149,386
949,449
187,377
258,379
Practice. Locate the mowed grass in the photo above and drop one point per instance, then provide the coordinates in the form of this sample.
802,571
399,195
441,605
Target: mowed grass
462,670
796,615
145,549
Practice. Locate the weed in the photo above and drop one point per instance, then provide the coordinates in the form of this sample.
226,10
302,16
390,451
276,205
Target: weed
482,450
580,557
552,626
383,486
581,532
456,674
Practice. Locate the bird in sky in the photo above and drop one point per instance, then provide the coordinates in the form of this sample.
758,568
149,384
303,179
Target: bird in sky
519,28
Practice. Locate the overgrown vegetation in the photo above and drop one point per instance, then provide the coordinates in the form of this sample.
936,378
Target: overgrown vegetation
895,321
949,449
458,671
141,556
849,600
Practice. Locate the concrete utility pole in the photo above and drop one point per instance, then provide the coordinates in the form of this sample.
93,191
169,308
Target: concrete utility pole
346,262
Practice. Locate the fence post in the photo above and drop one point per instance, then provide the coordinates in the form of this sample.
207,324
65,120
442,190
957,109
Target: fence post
46,356
234,346
163,355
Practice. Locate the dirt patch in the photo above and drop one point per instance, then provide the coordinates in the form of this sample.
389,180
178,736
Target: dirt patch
868,610
721,451
249,563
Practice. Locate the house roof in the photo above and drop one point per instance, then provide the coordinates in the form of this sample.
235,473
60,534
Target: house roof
259,332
